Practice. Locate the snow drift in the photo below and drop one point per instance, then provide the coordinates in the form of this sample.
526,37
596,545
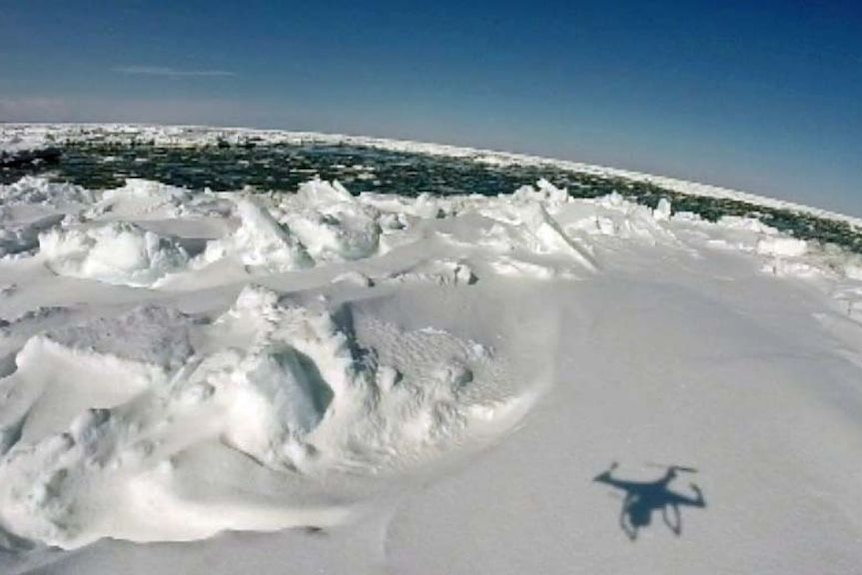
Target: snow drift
283,391
116,253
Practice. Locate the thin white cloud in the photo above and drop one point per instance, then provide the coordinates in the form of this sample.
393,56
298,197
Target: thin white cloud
169,72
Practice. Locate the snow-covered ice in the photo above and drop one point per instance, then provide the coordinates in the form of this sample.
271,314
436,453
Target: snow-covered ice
378,383
117,253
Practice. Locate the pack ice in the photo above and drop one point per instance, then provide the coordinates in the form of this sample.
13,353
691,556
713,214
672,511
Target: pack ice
432,380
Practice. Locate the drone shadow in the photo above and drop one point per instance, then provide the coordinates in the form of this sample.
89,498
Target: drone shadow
644,498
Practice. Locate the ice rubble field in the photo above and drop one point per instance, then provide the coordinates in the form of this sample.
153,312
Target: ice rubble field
416,385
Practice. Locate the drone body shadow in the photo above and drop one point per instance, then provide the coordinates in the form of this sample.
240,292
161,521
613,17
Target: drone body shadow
642,498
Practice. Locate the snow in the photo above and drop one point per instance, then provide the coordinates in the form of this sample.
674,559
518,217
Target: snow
31,192
281,390
259,241
332,225
321,223
118,253
782,247
216,383
139,197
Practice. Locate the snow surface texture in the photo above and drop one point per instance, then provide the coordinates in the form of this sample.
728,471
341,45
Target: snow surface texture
117,253
417,385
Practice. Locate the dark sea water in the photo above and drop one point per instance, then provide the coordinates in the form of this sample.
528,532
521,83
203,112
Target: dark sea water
282,167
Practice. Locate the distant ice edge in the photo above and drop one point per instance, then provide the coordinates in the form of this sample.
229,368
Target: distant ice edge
198,134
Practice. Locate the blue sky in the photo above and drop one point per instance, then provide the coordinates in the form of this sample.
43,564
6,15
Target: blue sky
761,96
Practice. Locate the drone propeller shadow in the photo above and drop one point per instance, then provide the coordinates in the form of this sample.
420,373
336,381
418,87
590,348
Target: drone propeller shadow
643,498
